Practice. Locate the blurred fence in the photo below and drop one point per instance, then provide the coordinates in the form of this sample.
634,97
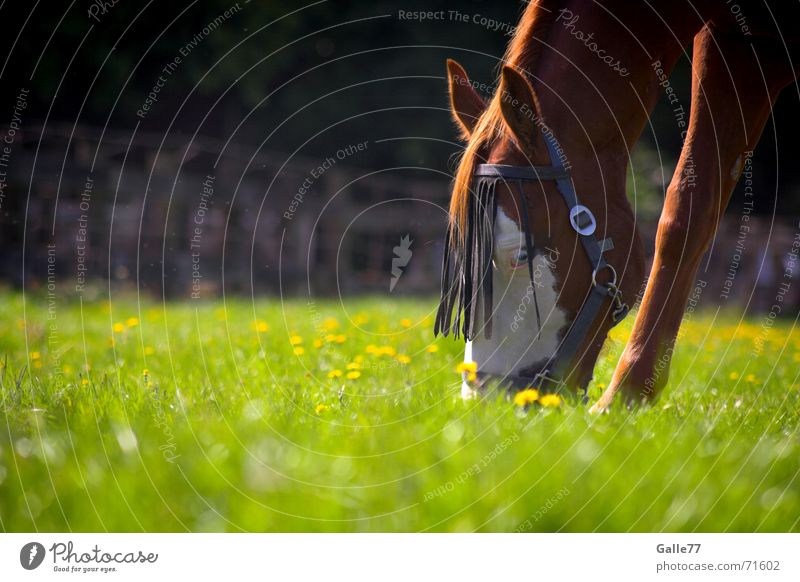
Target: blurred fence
189,217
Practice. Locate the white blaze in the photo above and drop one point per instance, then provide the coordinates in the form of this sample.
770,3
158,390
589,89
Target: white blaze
514,343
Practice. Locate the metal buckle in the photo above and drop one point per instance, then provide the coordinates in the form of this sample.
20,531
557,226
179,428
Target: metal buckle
620,307
575,218
544,376
612,283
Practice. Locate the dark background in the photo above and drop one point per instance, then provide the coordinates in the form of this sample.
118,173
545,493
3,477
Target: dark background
260,101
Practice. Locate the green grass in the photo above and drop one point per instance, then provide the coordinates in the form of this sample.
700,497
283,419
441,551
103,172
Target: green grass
226,431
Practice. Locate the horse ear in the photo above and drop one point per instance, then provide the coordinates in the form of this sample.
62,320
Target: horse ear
520,106
465,103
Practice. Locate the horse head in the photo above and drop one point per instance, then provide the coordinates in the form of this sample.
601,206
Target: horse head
542,256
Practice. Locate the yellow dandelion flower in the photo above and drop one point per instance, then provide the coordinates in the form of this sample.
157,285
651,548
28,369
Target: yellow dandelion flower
84,382
35,355
360,319
432,349
149,351
118,328
750,378
371,349
330,338
317,343
405,322
386,351
354,366
353,374
145,372
299,351
261,326
330,324
550,400
358,359
525,397
403,359
132,322
295,340
472,376
467,367
335,374
340,339
321,408
734,375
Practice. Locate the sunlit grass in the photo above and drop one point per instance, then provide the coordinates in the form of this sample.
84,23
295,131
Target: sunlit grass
330,416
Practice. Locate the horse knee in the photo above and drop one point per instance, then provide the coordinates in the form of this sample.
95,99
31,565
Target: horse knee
684,236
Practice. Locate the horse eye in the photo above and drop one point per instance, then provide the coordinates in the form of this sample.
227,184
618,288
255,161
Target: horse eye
521,258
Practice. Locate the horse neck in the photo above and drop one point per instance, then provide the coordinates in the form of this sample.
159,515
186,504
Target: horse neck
594,67
597,109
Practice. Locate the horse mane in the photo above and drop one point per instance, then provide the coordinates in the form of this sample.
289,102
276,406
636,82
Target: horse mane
467,260
522,52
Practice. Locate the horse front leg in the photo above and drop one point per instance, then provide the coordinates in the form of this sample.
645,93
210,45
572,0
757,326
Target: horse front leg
729,110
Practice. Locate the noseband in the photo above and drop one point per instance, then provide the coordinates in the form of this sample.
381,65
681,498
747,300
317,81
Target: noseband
469,265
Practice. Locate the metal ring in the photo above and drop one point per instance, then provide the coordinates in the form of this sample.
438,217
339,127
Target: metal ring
601,267
574,213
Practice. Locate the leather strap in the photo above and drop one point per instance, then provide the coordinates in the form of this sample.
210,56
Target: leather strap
506,172
555,371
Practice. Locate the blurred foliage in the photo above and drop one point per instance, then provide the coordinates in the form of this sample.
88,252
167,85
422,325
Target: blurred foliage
308,76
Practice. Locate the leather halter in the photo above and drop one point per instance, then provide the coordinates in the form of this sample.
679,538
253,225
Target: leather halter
582,222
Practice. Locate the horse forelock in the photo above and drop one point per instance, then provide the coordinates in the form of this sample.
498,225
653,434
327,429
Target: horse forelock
522,52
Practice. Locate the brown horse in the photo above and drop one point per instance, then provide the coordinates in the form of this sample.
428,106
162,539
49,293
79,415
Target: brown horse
578,83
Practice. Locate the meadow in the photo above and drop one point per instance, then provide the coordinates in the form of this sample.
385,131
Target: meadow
290,415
